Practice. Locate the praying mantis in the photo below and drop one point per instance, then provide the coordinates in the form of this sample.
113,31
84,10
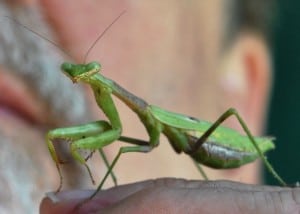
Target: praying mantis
210,144
206,143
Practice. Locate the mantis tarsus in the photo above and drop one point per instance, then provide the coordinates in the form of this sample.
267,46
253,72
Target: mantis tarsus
206,143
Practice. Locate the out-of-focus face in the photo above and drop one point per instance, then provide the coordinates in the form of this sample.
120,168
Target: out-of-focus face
167,52
34,97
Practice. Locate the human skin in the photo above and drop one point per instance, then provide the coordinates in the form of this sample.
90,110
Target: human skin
139,51
179,196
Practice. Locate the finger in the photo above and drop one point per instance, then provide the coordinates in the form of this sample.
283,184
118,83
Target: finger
222,197
67,200
112,197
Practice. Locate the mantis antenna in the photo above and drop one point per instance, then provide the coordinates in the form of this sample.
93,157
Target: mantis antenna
101,35
40,35
59,47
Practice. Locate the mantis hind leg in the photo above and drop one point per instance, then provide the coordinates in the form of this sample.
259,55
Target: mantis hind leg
200,169
232,112
73,134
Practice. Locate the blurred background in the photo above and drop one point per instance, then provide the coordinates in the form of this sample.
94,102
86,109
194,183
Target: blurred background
284,113
185,38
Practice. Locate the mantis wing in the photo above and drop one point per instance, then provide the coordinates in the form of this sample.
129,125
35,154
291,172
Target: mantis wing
223,136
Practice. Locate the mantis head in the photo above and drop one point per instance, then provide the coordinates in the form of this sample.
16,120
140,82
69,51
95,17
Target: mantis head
80,72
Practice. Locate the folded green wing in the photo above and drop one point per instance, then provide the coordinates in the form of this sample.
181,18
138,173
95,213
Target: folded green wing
224,136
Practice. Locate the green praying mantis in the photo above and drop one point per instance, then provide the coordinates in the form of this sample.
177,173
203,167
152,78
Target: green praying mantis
210,144
206,143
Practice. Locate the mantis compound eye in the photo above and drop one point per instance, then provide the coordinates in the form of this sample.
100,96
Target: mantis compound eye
67,67
93,66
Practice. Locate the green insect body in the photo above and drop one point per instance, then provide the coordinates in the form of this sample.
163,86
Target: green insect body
207,143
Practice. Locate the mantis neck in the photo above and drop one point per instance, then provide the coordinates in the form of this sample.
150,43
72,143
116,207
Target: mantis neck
135,103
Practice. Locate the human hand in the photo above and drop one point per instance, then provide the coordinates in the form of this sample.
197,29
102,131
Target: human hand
170,195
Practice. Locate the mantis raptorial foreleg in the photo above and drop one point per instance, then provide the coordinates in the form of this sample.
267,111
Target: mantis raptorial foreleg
75,133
